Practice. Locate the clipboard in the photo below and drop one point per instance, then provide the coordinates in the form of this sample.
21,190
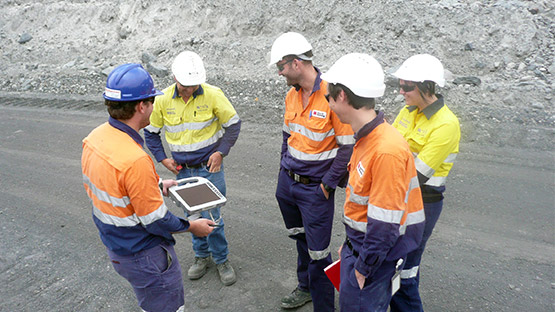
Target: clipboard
196,194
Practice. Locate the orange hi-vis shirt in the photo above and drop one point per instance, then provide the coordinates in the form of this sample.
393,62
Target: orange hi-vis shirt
316,143
121,181
383,212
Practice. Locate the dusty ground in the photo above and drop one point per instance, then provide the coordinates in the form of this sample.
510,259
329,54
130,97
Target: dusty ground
493,247
501,53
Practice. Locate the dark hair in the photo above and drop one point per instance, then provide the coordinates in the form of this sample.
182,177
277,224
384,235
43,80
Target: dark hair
124,110
356,101
427,87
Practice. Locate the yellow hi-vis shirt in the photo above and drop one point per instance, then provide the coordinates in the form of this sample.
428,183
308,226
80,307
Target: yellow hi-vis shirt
433,135
196,124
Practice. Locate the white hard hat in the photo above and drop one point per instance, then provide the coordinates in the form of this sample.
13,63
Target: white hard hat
290,43
359,72
188,69
421,67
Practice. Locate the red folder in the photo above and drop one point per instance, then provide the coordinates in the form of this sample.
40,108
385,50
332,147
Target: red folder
333,271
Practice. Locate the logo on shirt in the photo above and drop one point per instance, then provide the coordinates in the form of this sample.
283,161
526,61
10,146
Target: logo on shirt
318,114
360,169
202,107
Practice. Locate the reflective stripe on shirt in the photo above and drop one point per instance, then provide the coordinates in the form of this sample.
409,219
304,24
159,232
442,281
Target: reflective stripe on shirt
305,156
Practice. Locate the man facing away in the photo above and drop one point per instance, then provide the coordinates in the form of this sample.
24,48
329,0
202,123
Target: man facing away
201,126
126,195
383,213
315,151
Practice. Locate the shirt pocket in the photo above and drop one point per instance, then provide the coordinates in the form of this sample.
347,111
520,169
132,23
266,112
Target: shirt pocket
416,141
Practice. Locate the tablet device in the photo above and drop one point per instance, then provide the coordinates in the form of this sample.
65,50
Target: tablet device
196,195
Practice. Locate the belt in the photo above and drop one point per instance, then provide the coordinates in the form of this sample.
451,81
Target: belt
202,164
348,243
300,178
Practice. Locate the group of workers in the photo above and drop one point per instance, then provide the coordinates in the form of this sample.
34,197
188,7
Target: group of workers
394,175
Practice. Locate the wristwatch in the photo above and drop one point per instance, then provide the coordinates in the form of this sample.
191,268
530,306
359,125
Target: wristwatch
328,188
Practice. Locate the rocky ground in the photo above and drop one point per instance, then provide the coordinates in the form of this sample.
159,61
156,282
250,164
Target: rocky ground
501,54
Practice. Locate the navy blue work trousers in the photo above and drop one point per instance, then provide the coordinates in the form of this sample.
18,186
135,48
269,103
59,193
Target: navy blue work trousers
308,217
407,298
376,293
155,275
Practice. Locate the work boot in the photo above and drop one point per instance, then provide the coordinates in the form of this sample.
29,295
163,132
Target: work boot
296,299
227,274
198,269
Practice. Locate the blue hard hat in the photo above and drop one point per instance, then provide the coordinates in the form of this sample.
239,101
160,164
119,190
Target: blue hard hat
129,82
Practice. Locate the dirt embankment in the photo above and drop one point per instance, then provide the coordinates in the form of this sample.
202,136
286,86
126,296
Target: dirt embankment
501,53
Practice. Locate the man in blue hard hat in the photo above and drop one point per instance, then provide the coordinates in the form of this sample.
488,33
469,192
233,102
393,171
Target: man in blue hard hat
126,195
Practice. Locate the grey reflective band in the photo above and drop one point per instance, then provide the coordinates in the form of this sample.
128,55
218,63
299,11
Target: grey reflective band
345,139
196,146
314,136
355,225
319,254
357,199
423,168
304,156
104,196
409,273
153,129
295,231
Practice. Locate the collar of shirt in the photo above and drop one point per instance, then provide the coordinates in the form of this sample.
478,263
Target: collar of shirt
125,128
432,108
367,128
317,82
198,92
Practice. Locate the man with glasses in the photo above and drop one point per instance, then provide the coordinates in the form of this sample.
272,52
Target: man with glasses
201,126
383,213
315,151
126,194
433,134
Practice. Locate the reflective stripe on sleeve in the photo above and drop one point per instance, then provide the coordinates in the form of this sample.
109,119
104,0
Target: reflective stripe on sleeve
451,158
385,215
423,168
345,139
412,185
412,219
436,181
233,120
311,157
153,129
319,254
154,216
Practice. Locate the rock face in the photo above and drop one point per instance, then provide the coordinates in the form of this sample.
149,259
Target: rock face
501,53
